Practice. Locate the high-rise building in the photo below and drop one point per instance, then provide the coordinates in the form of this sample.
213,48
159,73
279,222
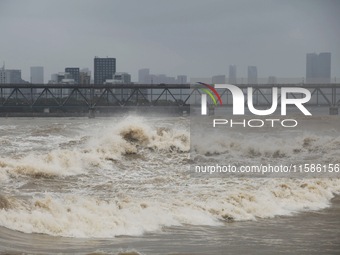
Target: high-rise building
37,75
318,67
74,73
252,75
2,75
218,79
104,69
10,76
232,74
85,76
144,76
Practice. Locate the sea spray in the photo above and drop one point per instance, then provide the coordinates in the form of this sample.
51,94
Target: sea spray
130,176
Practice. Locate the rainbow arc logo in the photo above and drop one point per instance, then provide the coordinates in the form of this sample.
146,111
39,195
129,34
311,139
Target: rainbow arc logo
213,94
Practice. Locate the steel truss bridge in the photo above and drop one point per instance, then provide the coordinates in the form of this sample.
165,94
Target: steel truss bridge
65,97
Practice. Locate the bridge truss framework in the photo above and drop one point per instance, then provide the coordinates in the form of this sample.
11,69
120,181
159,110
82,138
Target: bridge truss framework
18,97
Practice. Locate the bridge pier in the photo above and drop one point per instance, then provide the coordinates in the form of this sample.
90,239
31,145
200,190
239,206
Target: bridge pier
92,113
333,110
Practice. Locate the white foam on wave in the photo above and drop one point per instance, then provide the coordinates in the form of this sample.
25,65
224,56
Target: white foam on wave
3,175
88,217
54,163
75,216
271,197
117,200
131,135
123,137
246,147
106,145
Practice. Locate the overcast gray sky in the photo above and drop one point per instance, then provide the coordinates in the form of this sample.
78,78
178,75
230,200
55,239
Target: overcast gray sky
199,38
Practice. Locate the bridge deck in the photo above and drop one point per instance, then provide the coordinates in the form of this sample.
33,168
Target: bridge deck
66,96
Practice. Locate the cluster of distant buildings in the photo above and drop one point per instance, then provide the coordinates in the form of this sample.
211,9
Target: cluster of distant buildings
104,73
251,78
318,70
10,76
145,77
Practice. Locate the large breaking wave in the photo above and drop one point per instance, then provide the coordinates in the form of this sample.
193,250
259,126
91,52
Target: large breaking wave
132,177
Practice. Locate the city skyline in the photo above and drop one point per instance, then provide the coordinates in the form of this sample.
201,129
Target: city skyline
318,69
197,38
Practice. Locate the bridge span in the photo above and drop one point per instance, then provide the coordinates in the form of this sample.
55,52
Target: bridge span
79,97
